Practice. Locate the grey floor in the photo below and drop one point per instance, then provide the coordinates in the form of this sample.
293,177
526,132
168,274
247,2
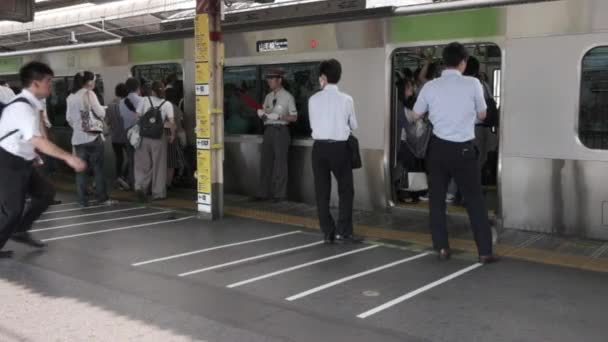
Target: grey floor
139,262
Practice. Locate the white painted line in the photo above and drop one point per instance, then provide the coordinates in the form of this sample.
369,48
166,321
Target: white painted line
354,276
100,221
87,215
297,267
213,248
74,209
115,229
418,291
62,204
261,256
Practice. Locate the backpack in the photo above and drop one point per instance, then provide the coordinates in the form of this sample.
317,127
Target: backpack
3,107
151,123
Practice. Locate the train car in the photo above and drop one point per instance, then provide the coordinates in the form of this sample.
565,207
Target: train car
546,65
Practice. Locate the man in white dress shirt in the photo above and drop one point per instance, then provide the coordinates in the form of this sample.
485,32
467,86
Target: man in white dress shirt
454,103
332,119
20,140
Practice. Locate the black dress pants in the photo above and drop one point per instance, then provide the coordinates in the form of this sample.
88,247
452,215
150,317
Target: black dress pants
333,158
18,180
447,160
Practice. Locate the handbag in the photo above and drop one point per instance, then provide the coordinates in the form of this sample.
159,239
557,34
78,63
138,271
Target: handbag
133,136
91,122
353,145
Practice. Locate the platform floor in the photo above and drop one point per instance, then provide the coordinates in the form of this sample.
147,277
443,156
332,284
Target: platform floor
160,274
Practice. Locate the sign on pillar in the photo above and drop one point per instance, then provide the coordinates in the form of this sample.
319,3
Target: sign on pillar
209,108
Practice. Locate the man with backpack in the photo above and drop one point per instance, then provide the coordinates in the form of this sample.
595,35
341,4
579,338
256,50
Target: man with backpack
151,156
128,113
20,140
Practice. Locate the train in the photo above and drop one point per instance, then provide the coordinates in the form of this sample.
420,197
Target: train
546,64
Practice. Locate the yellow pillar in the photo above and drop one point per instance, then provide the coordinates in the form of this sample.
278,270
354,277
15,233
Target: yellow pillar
209,64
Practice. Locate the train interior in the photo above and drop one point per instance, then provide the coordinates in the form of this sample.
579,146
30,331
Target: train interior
409,63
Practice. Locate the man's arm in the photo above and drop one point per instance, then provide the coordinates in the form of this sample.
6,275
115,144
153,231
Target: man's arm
45,146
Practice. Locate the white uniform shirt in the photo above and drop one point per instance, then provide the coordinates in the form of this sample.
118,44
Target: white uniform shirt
6,94
331,114
26,119
166,110
76,104
452,101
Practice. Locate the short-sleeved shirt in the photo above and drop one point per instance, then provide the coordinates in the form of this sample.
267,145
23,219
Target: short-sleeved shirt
24,118
6,94
166,110
129,117
452,101
331,114
279,102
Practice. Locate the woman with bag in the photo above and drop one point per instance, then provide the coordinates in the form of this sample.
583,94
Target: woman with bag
86,117
175,154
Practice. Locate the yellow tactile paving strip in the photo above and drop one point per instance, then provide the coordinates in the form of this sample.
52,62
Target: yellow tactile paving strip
421,239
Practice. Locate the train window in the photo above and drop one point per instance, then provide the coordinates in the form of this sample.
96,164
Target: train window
148,73
245,90
302,81
593,107
241,100
56,104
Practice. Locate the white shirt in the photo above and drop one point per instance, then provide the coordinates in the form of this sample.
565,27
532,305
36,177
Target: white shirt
75,104
25,118
452,101
166,110
331,114
6,94
281,103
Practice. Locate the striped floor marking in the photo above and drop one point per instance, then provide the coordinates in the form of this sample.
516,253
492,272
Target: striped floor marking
354,276
99,221
115,229
261,256
74,209
297,267
141,263
88,215
418,291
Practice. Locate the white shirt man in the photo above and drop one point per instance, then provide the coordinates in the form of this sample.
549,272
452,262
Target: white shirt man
332,119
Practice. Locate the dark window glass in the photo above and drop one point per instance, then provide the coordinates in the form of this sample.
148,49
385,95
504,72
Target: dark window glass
149,73
593,112
245,89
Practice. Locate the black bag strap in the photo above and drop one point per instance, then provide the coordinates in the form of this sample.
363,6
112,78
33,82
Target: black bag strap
19,99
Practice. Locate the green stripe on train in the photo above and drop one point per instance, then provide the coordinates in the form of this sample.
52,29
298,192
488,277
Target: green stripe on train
10,65
156,51
464,24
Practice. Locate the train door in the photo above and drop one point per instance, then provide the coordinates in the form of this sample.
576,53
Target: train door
412,67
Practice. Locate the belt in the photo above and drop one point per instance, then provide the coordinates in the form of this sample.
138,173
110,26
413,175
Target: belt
275,125
330,141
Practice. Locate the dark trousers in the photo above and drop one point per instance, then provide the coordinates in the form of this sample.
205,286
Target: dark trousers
275,152
16,183
93,154
328,158
448,160
124,170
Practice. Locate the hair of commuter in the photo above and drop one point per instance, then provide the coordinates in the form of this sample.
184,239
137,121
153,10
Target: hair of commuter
172,95
121,91
3,83
34,71
472,67
454,54
158,89
332,69
81,79
133,85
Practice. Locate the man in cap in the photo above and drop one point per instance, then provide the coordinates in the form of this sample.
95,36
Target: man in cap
279,110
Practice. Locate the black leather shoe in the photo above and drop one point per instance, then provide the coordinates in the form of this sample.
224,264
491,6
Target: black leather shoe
488,259
6,254
27,239
55,202
329,238
445,254
348,239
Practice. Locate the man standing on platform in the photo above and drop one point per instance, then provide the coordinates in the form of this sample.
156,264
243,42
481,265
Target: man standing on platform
332,119
20,138
279,110
454,102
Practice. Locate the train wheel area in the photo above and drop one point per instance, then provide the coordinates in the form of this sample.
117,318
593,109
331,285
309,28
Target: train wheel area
261,275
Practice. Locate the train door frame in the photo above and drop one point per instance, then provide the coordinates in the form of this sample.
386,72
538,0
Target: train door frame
390,122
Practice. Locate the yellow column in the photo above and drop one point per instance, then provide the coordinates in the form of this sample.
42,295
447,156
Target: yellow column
209,63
